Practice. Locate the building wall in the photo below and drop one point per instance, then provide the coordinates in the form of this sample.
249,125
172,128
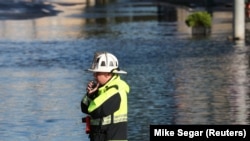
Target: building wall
199,2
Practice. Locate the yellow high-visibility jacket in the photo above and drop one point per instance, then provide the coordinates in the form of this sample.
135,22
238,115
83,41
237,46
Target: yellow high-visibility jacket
108,109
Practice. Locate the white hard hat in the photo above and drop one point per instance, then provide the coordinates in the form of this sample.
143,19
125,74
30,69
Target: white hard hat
105,62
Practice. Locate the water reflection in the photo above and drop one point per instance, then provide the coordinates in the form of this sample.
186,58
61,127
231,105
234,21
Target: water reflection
77,20
34,104
215,87
239,91
174,78
81,20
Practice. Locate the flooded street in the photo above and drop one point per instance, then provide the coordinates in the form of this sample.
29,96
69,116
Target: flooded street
174,78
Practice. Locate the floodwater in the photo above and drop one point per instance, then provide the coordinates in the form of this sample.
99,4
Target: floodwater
175,78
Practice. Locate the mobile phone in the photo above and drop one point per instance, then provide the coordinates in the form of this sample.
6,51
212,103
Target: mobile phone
94,84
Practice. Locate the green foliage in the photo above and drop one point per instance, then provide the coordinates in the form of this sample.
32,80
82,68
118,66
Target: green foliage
200,18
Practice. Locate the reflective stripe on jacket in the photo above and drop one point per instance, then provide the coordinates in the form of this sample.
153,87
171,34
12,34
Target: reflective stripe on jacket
108,120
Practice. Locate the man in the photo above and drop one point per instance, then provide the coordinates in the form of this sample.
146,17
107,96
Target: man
106,100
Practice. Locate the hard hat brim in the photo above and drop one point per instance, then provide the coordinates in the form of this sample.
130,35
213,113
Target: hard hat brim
115,71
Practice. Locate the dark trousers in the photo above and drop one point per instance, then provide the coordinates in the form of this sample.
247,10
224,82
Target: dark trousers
116,131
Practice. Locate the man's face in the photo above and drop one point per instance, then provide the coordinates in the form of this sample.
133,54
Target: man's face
102,77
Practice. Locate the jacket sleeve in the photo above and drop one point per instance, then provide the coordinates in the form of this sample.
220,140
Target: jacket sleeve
85,104
108,107
86,101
